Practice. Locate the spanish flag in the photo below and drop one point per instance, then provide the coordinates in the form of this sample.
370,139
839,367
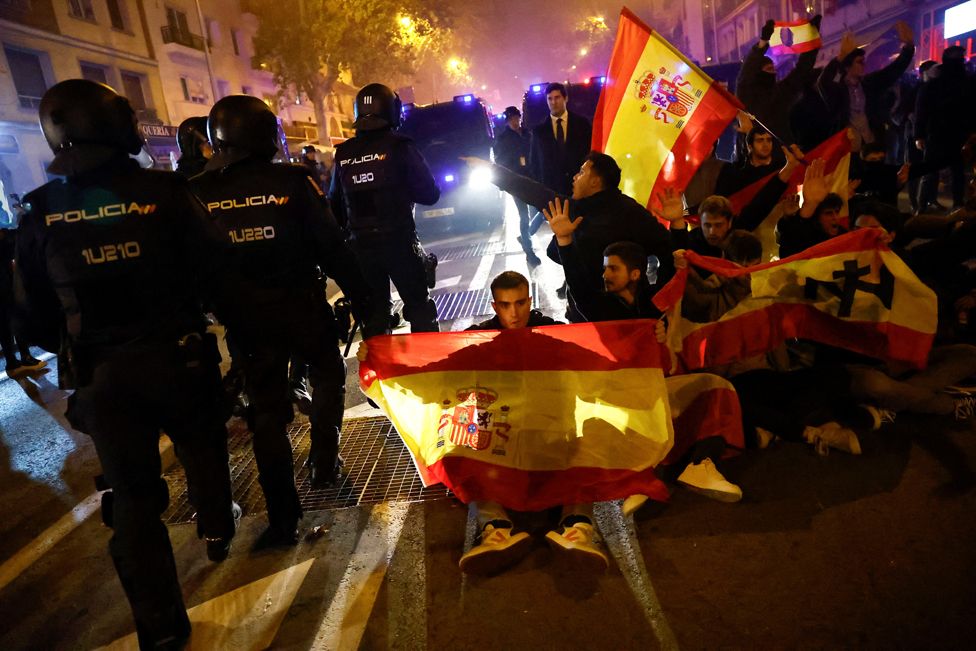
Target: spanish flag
658,114
794,37
850,291
532,417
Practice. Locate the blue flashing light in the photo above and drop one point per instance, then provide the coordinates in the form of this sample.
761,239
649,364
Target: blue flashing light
602,79
448,178
536,88
465,99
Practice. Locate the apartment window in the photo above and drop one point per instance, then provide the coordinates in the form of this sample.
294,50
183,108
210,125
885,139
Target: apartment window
176,20
28,74
213,31
132,85
223,88
233,38
193,90
81,9
246,90
116,17
93,72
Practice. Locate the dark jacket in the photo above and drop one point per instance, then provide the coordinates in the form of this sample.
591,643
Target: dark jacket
553,166
119,254
771,100
512,149
609,216
795,234
281,236
536,318
593,302
377,178
834,91
944,110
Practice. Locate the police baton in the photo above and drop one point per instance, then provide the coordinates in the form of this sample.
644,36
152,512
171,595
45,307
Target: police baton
349,337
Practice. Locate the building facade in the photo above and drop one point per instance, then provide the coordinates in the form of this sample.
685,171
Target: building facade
172,58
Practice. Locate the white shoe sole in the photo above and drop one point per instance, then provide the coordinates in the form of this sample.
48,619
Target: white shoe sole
582,558
492,560
713,493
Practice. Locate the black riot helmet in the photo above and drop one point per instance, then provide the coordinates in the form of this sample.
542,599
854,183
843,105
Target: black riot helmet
241,126
192,133
86,123
377,107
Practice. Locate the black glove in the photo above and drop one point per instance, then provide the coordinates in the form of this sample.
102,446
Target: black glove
815,21
767,30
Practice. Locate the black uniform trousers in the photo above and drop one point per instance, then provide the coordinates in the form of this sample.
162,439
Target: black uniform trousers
133,393
398,258
303,325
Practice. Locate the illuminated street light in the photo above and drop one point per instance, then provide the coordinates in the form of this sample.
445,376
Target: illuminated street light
454,64
406,21
584,51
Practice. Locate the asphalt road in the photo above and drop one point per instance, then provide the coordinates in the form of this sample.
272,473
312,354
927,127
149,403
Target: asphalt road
875,551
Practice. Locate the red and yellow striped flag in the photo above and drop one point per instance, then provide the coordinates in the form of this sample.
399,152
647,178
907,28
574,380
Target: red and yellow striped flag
658,114
530,418
850,291
794,37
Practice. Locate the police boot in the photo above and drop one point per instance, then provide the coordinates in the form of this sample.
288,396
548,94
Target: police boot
324,464
219,547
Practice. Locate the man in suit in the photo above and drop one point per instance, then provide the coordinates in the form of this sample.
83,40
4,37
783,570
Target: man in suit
559,144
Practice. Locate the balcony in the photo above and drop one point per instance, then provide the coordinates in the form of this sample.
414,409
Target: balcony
173,34
148,116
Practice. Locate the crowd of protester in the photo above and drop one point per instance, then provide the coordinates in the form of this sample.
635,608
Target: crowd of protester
908,132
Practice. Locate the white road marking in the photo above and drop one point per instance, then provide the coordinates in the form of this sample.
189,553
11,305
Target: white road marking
35,549
42,544
343,625
480,278
244,619
447,282
621,539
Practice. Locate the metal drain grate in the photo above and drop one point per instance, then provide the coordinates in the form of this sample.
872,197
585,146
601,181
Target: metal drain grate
471,251
378,465
455,305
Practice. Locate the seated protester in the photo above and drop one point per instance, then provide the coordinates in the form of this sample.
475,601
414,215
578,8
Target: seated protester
707,299
626,295
757,164
879,181
939,261
611,216
818,219
716,212
500,546
775,401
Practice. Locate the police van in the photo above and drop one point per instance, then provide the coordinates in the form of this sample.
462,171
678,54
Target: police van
444,132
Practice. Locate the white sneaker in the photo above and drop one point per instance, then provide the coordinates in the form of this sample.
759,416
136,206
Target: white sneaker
704,478
764,438
580,546
633,503
965,407
832,435
499,549
879,416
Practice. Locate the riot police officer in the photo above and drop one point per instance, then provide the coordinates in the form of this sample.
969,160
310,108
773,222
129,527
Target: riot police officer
377,177
282,236
111,257
195,149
